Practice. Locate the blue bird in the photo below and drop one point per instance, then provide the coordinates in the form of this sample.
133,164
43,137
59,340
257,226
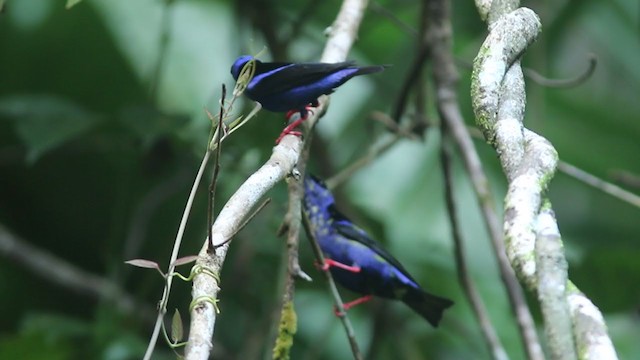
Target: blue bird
292,87
280,87
359,263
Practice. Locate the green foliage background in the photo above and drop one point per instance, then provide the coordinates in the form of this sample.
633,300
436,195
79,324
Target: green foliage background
102,129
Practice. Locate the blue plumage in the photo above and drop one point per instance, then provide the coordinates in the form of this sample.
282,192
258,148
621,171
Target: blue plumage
280,87
360,264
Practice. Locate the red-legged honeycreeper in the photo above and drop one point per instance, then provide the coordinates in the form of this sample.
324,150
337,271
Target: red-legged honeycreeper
359,263
281,87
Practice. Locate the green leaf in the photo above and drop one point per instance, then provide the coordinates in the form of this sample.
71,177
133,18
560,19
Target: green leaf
45,122
177,332
2,5
70,3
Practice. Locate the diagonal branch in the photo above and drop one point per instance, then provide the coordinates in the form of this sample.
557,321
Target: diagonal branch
477,305
67,275
284,158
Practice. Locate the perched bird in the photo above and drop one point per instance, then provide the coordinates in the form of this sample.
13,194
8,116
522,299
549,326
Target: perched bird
359,263
282,87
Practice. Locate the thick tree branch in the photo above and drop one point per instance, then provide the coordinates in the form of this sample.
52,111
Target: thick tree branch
552,279
205,286
342,34
529,162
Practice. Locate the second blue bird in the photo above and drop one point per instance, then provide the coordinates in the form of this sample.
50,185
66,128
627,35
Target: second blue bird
359,263
281,87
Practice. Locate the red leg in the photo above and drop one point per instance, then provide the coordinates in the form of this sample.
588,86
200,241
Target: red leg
329,263
358,301
289,129
353,303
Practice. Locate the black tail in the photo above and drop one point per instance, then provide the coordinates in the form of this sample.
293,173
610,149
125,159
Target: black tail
428,305
370,69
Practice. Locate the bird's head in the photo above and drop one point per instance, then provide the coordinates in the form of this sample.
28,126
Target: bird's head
237,66
316,193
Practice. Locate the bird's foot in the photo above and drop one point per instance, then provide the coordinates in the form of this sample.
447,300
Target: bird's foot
351,304
289,130
329,263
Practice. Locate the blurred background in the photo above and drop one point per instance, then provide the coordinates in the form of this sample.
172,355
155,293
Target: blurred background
102,128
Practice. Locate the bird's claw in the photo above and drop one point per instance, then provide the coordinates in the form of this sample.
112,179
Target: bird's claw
304,114
323,267
286,132
290,113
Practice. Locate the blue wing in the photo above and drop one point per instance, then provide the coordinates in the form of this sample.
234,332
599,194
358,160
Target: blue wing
276,78
351,232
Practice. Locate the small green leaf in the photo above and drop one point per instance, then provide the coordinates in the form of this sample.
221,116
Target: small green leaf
177,332
2,5
71,3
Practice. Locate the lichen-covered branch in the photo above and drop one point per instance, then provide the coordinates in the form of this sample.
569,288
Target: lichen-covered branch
205,286
529,161
589,328
445,75
552,280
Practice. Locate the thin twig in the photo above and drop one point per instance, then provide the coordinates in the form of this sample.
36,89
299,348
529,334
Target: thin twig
627,178
584,176
165,33
376,149
384,12
545,81
600,184
413,75
563,83
143,215
348,328
372,154
288,318
216,168
174,255
477,305
245,222
67,275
